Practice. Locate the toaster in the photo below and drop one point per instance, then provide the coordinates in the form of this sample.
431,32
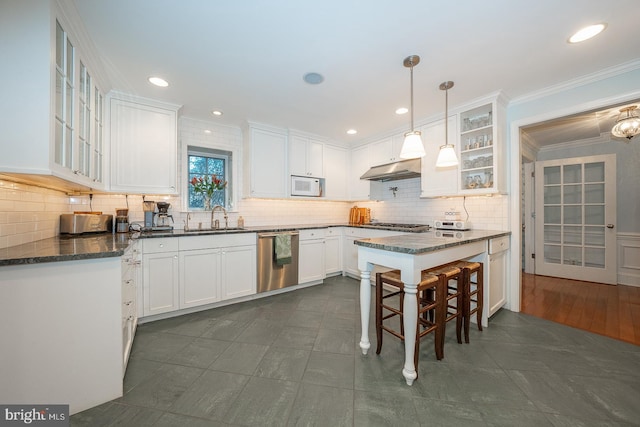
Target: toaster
85,223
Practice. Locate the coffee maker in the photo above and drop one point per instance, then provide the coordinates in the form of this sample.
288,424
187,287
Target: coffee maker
162,218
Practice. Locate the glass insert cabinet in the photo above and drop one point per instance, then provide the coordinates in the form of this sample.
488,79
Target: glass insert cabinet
477,154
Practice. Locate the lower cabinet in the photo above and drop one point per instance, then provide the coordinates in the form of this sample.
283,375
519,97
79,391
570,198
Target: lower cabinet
130,273
160,279
350,255
199,277
311,256
238,271
333,251
192,271
498,250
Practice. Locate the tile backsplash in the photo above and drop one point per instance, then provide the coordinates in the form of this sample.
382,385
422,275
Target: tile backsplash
29,213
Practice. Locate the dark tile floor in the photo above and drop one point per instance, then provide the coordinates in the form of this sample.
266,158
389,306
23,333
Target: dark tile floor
293,360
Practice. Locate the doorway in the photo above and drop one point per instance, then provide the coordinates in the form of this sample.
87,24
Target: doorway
575,206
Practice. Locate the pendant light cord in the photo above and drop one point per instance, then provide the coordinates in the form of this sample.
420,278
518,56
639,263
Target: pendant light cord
412,96
446,118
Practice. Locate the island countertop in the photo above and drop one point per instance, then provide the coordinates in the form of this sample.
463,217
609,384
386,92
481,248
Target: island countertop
420,243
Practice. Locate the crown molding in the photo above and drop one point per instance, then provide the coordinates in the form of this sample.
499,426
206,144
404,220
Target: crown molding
604,137
578,82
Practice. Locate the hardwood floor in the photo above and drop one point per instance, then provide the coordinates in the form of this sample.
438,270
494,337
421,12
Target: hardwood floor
608,310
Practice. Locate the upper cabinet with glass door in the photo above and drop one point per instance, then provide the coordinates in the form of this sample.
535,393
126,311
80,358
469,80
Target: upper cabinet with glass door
481,148
55,114
79,117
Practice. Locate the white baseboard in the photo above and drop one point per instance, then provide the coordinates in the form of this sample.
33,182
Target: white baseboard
628,259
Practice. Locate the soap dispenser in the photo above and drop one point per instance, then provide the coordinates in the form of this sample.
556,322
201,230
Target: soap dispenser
240,222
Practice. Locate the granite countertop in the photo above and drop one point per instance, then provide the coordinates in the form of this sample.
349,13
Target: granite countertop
113,245
420,243
66,249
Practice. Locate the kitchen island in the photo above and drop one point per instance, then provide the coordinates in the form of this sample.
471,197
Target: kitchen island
411,254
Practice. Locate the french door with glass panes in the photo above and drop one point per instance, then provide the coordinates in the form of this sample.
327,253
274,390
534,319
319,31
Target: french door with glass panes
575,218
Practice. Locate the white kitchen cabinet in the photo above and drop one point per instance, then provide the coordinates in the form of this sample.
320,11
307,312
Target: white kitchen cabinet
386,150
311,265
482,160
359,189
265,165
436,181
498,251
350,250
238,276
192,271
160,265
216,267
305,156
144,145
52,128
130,282
336,176
199,277
333,251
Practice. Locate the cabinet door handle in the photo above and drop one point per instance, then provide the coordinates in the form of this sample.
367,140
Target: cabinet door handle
162,245
175,257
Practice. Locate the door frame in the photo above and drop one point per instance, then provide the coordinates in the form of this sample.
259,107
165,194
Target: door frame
514,284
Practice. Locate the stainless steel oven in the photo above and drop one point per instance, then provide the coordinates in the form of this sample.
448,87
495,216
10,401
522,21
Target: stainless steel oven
272,275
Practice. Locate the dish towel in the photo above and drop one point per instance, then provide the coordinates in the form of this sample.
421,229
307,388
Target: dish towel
282,249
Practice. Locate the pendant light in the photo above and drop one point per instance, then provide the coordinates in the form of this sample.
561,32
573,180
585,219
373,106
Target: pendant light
447,155
628,126
412,147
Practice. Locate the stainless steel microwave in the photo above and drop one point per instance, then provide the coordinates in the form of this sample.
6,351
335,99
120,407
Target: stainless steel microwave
305,186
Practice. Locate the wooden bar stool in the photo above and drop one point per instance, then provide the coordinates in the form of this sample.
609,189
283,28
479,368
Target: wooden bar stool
473,293
435,302
454,304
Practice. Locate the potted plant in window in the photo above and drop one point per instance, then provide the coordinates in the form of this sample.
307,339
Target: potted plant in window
207,186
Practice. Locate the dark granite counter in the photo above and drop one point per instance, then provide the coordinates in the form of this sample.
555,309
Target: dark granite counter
66,249
113,245
420,243
263,229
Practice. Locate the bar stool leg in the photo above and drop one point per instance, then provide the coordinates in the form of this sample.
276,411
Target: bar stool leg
379,312
480,296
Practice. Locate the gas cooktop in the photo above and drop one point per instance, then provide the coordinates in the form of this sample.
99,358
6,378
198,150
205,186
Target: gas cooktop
414,228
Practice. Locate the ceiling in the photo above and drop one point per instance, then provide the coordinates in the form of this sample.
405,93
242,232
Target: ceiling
247,58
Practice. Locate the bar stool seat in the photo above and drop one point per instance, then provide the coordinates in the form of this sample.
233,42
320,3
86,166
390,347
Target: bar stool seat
473,293
434,302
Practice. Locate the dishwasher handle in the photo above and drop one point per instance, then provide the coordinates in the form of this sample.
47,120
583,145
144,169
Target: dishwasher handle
292,233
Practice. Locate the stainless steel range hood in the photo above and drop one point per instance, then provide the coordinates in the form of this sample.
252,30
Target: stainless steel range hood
404,169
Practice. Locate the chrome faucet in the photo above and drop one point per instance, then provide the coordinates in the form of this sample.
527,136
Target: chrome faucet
216,224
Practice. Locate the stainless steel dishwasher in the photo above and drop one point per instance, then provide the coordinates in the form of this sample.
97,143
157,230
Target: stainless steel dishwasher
270,275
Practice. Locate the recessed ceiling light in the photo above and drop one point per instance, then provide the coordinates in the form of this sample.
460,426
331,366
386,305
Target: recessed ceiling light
587,32
207,131
313,78
216,112
352,132
158,81
402,110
